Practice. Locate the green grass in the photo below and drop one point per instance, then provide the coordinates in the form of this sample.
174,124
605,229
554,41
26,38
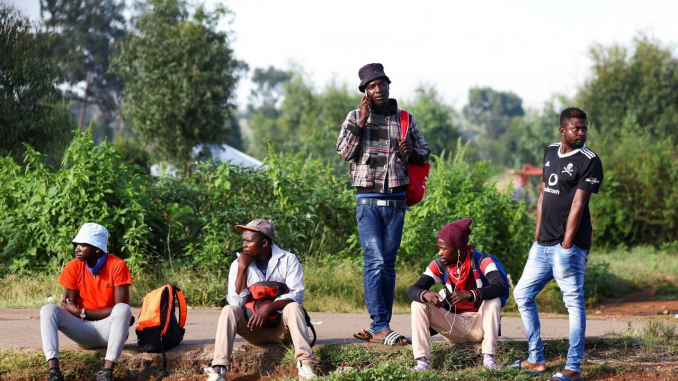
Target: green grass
655,340
337,286
636,269
17,364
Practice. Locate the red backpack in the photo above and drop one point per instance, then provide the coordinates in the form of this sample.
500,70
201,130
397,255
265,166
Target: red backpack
418,172
262,293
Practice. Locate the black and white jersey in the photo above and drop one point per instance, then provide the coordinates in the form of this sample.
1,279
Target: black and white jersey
562,176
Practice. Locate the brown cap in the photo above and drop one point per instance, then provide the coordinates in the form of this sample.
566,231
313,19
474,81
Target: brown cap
263,226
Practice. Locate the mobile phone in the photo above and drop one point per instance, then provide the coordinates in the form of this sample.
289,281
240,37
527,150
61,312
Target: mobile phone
369,99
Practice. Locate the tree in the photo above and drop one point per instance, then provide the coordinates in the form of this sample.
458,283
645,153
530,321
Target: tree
529,135
631,99
491,111
180,77
85,32
436,120
490,114
32,110
264,110
269,89
641,82
306,122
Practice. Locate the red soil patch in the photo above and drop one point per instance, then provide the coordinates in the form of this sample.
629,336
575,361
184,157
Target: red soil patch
643,303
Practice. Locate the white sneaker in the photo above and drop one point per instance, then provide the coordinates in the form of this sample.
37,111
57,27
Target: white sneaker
306,371
492,366
214,376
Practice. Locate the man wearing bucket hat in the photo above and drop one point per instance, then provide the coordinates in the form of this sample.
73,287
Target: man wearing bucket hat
262,260
370,141
468,309
95,310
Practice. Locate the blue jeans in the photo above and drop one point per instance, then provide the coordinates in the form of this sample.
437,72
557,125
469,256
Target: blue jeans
380,229
567,267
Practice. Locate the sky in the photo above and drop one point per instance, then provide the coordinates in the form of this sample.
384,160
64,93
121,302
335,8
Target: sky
534,48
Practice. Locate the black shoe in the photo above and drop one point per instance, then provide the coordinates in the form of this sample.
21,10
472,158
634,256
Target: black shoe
105,375
55,375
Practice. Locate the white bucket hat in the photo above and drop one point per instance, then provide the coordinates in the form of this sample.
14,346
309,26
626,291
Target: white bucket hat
93,234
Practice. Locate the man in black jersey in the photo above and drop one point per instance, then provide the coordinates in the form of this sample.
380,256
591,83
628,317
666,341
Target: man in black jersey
562,241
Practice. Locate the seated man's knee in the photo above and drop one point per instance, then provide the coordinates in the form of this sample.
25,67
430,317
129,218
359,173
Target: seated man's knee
493,303
121,309
416,306
232,312
293,309
48,310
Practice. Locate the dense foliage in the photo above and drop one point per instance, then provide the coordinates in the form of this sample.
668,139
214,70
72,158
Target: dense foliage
632,100
84,34
180,77
41,209
306,120
456,190
32,110
188,222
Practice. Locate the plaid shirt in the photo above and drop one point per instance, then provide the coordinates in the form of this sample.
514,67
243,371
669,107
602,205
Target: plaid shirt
373,150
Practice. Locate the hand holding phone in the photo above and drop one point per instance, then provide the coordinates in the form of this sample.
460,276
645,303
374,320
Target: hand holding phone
365,108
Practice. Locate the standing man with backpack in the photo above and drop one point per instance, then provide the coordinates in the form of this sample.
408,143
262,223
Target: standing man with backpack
370,141
561,242
95,310
262,260
468,309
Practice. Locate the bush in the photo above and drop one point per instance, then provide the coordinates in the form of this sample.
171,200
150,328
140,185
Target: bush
638,202
40,210
174,223
456,190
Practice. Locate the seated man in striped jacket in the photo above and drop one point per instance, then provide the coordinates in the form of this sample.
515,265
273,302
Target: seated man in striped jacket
468,308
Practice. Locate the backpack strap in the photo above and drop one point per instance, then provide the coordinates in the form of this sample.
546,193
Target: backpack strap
404,124
182,307
310,325
475,267
170,295
442,268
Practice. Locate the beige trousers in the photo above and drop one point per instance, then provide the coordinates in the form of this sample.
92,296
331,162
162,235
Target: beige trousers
292,328
456,328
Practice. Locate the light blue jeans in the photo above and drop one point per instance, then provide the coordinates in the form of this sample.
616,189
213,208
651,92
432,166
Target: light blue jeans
380,229
567,267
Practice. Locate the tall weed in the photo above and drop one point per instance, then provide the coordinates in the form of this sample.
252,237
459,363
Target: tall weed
41,210
169,224
638,203
458,189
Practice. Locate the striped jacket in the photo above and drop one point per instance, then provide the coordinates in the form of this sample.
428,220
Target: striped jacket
373,150
470,281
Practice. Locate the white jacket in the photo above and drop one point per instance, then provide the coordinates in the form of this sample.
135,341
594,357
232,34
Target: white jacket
282,267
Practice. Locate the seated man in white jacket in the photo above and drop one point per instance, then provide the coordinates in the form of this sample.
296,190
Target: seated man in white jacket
262,260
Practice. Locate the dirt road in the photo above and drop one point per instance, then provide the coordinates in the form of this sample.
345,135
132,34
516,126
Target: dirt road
20,328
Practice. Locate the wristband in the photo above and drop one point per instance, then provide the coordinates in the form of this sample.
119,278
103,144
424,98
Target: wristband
421,296
82,315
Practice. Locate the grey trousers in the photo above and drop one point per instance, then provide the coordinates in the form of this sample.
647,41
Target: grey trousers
110,333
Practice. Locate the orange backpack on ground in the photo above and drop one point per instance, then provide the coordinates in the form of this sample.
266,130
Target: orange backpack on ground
159,329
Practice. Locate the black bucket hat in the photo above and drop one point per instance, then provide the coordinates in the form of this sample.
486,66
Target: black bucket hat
369,73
